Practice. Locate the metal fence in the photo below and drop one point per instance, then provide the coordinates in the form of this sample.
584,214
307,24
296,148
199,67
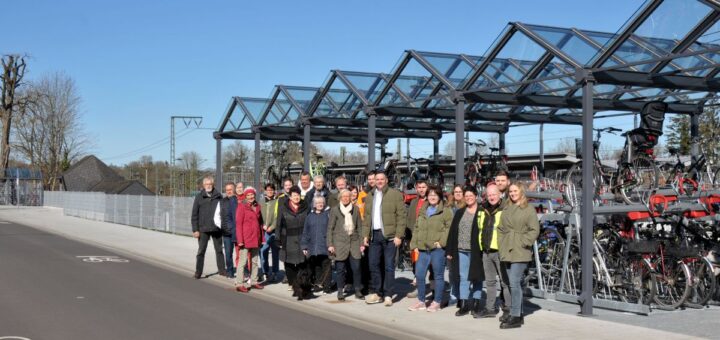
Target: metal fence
169,214
16,191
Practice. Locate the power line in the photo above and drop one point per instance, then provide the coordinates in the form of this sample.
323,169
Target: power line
151,146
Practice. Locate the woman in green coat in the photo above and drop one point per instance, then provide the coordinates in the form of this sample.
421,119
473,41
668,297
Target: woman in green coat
518,230
430,239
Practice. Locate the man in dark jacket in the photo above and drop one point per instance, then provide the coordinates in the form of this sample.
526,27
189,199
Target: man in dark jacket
319,189
230,206
207,222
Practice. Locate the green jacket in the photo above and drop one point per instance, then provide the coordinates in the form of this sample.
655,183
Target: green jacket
393,214
270,212
518,230
435,228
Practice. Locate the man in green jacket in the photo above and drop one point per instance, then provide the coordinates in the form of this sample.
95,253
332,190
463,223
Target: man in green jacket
416,204
269,215
383,230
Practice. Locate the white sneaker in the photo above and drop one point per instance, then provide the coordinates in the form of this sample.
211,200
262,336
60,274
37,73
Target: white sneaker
388,301
373,298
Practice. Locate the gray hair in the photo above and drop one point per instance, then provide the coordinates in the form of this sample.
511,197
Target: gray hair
344,191
318,198
209,178
317,177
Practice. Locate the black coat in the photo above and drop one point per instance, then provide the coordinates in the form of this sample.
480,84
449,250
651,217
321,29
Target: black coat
203,211
290,228
477,271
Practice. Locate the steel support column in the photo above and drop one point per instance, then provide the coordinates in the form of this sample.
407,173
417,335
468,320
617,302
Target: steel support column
436,150
372,117
694,135
459,134
306,147
218,163
542,151
588,189
501,143
258,172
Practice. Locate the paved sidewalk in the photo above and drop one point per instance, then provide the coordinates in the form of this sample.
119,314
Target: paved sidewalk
178,253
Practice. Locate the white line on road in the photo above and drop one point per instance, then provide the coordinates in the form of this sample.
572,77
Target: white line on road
101,258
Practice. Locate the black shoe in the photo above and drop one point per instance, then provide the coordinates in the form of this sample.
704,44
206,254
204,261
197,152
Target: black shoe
359,296
341,297
512,322
316,288
285,280
486,313
457,305
197,276
465,306
505,315
476,309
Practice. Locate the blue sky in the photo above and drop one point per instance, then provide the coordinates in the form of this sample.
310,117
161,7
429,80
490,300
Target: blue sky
136,63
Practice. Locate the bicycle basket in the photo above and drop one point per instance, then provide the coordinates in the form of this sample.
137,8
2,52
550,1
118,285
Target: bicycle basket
642,246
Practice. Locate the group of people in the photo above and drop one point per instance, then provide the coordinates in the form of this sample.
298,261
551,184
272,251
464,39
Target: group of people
359,230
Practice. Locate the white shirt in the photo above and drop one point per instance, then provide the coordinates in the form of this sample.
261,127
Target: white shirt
377,210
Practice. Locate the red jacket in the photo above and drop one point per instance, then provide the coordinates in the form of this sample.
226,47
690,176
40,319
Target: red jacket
248,221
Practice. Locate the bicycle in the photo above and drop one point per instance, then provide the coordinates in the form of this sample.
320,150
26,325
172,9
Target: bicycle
601,179
698,176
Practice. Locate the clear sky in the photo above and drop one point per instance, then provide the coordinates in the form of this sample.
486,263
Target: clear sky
136,63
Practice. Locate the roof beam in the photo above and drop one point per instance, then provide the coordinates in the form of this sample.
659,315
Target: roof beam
562,102
294,137
672,82
344,132
477,115
410,125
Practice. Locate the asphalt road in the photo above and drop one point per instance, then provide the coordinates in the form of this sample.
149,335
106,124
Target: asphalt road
48,292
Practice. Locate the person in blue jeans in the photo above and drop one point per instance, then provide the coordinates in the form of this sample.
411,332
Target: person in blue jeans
518,230
430,238
230,201
270,208
465,252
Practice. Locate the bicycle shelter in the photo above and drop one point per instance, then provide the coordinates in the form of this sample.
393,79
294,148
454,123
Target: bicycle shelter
667,51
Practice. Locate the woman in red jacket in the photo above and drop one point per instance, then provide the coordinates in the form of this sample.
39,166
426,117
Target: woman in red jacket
248,220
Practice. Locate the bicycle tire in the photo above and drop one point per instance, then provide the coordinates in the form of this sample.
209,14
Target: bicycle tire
472,175
673,283
716,178
636,180
704,281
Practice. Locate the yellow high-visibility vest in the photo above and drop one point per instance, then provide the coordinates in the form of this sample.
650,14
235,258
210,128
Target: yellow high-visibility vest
481,223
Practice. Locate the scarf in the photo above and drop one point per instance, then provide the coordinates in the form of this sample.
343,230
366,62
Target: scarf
347,211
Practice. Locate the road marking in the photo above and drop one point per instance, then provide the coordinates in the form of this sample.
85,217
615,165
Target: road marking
13,338
101,258
4,222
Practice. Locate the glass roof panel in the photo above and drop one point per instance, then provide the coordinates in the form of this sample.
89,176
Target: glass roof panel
245,124
369,84
567,41
303,96
663,30
453,67
255,106
559,86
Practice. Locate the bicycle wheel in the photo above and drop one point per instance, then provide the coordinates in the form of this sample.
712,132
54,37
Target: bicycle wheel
673,280
635,281
703,283
635,181
716,178
573,178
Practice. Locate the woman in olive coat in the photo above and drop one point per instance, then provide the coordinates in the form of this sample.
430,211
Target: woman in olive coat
518,230
344,244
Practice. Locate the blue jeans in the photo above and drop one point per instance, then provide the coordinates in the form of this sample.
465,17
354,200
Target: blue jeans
515,272
381,249
436,258
466,286
270,244
229,262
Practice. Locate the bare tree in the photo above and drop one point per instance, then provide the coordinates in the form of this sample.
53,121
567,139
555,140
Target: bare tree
48,132
566,145
235,154
13,71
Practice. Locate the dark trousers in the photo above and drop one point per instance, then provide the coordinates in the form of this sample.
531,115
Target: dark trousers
202,246
341,270
322,275
382,249
229,248
291,271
